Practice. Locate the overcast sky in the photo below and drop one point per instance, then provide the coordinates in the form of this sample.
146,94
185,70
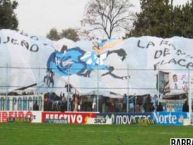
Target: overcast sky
39,16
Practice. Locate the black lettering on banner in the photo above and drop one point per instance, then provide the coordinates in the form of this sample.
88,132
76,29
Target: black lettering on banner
155,66
180,62
150,43
24,34
34,37
189,65
25,44
162,62
164,42
173,61
8,39
45,44
180,52
166,51
34,48
14,41
160,53
138,44
172,45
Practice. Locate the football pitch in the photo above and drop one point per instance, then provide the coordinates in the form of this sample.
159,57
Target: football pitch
60,134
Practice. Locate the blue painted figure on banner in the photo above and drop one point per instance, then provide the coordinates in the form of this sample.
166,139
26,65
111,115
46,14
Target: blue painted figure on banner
77,61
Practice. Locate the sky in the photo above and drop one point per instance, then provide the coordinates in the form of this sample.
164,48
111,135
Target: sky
39,16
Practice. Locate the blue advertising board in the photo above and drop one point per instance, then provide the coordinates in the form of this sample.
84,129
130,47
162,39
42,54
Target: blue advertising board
160,118
169,118
130,118
125,118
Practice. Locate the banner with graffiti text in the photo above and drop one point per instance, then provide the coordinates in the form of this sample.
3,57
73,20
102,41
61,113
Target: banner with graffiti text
21,55
117,66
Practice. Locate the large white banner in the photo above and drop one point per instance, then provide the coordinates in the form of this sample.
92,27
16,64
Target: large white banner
114,66
20,57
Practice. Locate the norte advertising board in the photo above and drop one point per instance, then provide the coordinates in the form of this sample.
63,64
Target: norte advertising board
169,118
20,116
67,117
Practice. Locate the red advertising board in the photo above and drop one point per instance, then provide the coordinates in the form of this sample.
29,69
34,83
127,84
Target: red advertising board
71,117
31,116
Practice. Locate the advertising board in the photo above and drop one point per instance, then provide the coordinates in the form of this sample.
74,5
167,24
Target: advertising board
67,117
20,116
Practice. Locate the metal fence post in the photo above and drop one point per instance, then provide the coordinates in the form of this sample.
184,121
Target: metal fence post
158,86
97,99
189,95
128,105
68,92
7,78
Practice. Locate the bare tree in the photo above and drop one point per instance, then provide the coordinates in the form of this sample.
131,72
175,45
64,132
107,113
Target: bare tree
108,15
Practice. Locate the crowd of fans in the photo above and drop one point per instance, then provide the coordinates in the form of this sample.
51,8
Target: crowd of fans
91,103
74,102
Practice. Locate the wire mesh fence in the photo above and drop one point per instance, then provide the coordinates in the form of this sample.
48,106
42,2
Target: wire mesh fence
122,90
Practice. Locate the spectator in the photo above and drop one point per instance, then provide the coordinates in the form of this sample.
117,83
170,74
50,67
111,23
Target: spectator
137,108
159,107
185,107
35,106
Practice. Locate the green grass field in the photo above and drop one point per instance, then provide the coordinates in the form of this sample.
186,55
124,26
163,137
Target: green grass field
55,134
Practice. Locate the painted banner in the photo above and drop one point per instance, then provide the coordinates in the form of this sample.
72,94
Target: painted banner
67,117
20,116
22,52
113,66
